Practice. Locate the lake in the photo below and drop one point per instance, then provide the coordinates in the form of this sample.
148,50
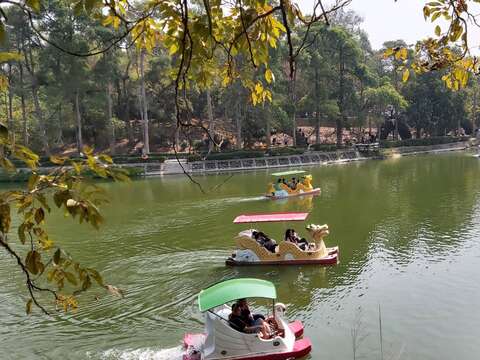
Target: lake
409,236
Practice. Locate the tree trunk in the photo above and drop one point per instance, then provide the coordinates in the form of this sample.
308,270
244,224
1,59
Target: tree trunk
24,111
11,131
41,121
474,110
268,130
340,120
111,125
29,64
294,110
79,123
238,127
317,107
146,135
211,128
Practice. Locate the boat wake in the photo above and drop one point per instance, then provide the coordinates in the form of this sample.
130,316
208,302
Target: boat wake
247,199
142,354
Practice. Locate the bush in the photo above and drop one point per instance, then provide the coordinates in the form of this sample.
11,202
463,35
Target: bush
285,151
422,142
128,159
325,147
194,157
232,155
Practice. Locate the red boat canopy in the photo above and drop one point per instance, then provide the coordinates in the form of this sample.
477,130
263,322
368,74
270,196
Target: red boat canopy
272,217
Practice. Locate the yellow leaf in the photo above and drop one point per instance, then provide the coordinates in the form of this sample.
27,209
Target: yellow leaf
9,56
406,75
387,53
438,30
269,76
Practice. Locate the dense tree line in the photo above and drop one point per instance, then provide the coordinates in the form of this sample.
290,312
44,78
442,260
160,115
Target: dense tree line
123,99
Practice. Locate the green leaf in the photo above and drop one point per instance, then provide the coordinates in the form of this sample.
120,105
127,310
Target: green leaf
96,276
7,165
438,30
31,261
90,4
78,8
28,306
59,198
3,132
86,283
5,218
34,4
56,257
71,278
3,33
32,181
39,215
21,233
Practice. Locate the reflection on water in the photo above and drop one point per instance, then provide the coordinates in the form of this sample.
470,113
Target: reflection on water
408,231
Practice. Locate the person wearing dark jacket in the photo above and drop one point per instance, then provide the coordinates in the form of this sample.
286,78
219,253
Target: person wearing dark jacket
237,321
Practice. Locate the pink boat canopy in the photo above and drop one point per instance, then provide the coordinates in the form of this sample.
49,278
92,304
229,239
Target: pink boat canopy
272,217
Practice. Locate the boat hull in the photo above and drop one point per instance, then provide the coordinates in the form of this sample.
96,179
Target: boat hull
330,259
301,348
314,192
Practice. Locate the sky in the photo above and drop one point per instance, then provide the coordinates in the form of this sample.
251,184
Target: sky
388,20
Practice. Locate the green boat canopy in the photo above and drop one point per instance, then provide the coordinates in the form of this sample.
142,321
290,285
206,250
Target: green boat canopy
235,289
288,173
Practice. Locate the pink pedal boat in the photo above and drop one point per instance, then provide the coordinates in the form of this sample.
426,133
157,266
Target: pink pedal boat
222,341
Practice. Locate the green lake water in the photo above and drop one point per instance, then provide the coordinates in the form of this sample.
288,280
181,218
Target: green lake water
409,237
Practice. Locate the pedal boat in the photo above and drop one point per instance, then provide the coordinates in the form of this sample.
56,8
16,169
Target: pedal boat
278,191
222,341
250,252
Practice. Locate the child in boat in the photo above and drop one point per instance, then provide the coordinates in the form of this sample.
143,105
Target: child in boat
238,322
292,236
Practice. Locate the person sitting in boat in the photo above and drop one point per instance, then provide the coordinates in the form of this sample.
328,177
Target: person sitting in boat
246,314
292,236
238,323
293,184
265,241
278,185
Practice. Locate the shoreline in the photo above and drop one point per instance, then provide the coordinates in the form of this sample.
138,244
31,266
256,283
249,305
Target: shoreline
310,159
171,167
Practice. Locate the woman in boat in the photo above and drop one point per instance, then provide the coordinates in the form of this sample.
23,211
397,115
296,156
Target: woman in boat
246,314
237,321
292,236
265,241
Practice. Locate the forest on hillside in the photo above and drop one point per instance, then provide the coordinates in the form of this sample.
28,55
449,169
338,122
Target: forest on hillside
123,100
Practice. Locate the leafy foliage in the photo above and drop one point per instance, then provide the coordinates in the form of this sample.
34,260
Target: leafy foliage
449,49
46,266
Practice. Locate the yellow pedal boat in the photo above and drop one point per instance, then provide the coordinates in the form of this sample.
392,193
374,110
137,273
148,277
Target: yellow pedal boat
301,185
251,252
